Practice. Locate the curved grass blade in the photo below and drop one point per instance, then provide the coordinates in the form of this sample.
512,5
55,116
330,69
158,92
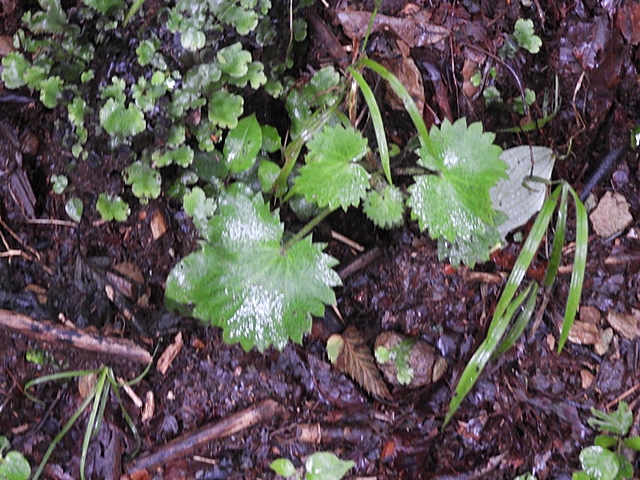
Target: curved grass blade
63,432
483,354
499,323
52,378
579,267
376,119
98,393
558,241
521,322
409,104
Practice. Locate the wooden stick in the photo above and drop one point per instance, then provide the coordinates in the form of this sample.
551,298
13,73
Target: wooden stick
181,446
52,333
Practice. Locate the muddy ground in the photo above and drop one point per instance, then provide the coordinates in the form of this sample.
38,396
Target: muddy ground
528,411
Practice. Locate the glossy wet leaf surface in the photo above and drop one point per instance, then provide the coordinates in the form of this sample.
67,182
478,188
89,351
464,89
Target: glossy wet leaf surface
244,282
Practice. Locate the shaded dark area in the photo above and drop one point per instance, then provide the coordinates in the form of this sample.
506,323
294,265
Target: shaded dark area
528,411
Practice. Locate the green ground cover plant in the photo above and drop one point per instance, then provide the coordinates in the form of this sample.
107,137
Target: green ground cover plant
318,466
252,277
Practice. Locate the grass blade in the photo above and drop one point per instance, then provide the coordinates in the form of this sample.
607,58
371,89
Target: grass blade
376,119
500,320
558,241
407,100
579,268
96,393
531,293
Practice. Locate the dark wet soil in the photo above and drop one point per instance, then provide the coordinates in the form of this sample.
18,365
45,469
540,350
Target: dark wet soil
528,411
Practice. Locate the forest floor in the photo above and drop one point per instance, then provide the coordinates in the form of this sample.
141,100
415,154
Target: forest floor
527,413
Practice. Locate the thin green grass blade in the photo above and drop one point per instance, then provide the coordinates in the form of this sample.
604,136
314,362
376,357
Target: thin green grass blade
52,378
558,241
531,293
500,321
527,253
63,432
579,268
376,119
132,11
97,393
409,104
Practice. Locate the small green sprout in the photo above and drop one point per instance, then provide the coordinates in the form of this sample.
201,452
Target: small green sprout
13,465
399,355
605,459
319,466
112,207
59,183
74,209
526,37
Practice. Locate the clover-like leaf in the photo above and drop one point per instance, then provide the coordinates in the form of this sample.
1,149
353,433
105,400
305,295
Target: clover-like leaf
331,176
326,466
225,108
385,208
50,91
14,68
454,201
145,181
112,207
243,144
233,60
525,35
121,121
105,6
244,281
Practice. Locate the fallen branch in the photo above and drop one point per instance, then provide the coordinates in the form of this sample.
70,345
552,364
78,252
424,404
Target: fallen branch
181,446
52,333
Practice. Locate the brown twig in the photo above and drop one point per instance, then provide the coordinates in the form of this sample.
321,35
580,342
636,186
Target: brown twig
181,446
49,332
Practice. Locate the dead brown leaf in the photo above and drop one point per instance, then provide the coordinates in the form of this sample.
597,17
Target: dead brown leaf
414,30
355,359
625,324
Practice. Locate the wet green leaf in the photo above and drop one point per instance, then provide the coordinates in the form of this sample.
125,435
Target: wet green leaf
105,6
59,183
14,69
268,171
334,347
225,108
199,207
633,443
525,35
145,51
283,467
243,144
243,20
112,207
182,156
271,141
599,463
145,181
385,208
245,282
331,176
74,209
326,466
618,422
50,91
14,467
233,60
454,201
120,121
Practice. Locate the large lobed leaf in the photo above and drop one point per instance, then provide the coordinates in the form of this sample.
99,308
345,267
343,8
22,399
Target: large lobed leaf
331,176
454,202
245,282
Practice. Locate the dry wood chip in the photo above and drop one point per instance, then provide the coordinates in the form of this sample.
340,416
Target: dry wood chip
611,215
158,225
149,407
171,352
584,333
624,323
586,378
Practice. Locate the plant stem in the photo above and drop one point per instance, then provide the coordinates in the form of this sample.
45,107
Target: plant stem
304,231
